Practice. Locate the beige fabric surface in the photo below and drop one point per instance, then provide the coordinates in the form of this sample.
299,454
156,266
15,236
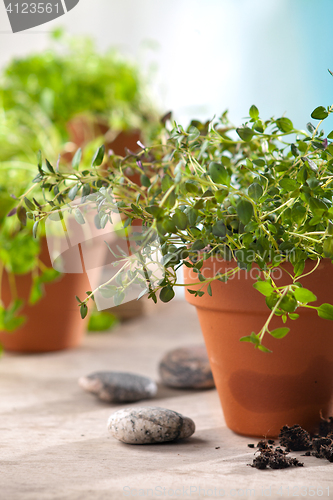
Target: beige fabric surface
54,442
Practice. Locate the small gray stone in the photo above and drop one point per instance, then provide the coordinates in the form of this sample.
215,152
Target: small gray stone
147,425
187,368
119,387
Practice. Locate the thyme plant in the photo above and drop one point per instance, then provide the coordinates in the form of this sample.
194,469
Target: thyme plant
258,195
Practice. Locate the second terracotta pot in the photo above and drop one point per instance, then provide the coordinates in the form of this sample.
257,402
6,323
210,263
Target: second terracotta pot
260,392
54,322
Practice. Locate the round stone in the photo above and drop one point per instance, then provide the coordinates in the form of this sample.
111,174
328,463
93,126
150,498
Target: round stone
187,368
147,425
119,387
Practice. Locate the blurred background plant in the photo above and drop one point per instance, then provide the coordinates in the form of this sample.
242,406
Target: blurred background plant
58,100
73,77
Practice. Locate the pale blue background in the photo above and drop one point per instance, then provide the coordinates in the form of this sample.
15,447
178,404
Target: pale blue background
214,54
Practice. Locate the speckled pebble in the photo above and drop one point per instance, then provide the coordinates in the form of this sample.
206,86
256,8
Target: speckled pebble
147,425
119,387
187,368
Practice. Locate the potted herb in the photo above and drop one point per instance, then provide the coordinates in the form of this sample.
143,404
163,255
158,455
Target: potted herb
248,213
73,78
59,99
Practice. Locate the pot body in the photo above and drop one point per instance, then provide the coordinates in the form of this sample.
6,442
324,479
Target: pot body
54,323
260,392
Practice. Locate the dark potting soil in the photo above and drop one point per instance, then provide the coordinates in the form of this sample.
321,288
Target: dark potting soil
323,447
325,426
295,439
273,458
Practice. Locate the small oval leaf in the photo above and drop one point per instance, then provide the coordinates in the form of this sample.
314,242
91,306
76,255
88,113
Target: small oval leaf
198,245
264,288
98,157
219,229
303,295
167,294
77,159
12,212
244,211
49,166
219,173
320,113
73,192
22,215
34,229
279,333
255,191
78,216
193,134
325,311
254,112
245,133
180,219
83,310
145,181
29,204
284,124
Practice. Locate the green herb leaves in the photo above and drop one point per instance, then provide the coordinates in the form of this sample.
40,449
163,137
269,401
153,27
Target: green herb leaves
255,191
244,210
284,124
245,133
264,287
219,173
77,159
254,112
167,294
22,215
303,295
98,157
261,201
325,311
320,113
279,333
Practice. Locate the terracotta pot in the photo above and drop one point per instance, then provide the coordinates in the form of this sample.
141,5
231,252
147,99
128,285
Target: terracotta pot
83,128
125,140
260,392
54,323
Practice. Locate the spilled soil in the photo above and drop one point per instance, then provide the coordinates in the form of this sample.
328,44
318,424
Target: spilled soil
269,455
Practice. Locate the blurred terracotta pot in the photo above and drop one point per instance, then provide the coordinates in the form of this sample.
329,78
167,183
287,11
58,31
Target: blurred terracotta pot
54,323
83,128
260,392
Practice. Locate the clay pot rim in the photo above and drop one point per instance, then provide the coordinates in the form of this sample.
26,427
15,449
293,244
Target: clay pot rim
235,300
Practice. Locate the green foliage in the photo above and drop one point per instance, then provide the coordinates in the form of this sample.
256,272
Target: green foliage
262,198
98,157
19,255
319,113
254,112
244,211
74,77
101,321
279,333
83,310
39,94
325,311
10,320
219,173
